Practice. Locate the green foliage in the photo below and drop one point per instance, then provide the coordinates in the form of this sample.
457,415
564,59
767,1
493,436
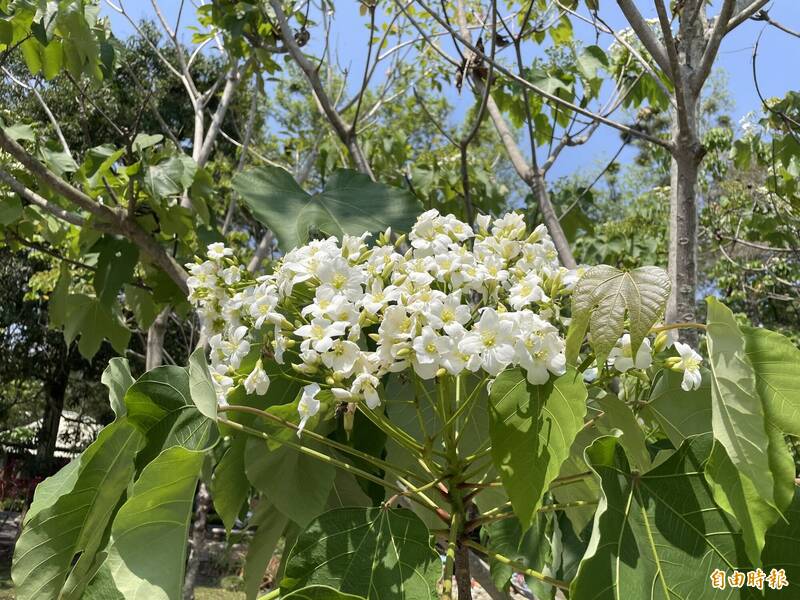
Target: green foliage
532,429
72,516
350,204
375,553
603,297
637,550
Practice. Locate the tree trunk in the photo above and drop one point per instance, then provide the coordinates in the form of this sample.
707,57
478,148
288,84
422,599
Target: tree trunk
463,577
55,390
202,506
155,340
686,157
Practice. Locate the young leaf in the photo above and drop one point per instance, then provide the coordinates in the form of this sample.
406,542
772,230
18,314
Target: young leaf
532,429
377,553
605,295
351,203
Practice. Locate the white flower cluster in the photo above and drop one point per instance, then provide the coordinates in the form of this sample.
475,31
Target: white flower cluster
344,315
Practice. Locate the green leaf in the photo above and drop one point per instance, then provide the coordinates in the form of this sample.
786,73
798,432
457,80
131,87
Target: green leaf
776,364
270,525
117,378
142,305
351,204
146,140
605,295
657,535
115,264
681,414
739,497
20,132
71,515
58,161
296,483
201,387
229,486
532,429
320,592
737,414
160,405
10,209
783,540
148,551
376,553
618,420
170,177
590,60
94,321
529,547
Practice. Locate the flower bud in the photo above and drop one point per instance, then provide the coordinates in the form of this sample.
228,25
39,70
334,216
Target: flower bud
661,341
672,362
403,352
442,372
329,380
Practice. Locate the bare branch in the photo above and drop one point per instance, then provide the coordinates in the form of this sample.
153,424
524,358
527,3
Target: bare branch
646,35
345,132
746,13
700,75
544,94
231,84
35,199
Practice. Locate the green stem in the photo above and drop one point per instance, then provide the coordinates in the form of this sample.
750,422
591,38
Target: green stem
450,558
376,462
462,406
398,435
678,326
328,459
518,566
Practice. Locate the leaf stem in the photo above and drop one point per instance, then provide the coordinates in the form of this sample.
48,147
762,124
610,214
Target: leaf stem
325,458
516,565
687,325
376,462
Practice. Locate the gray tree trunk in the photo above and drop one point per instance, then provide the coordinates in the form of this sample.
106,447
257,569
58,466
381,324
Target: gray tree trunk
202,506
155,340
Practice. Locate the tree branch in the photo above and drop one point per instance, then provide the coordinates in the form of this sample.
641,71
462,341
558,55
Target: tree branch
539,91
700,75
646,35
117,222
345,132
746,13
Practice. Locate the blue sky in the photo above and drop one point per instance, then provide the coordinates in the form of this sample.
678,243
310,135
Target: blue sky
776,60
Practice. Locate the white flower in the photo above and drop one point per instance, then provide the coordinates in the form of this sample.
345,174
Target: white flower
489,343
218,251
341,357
258,381
319,334
365,386
689,363
621,356
308,406
429,347
527,291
